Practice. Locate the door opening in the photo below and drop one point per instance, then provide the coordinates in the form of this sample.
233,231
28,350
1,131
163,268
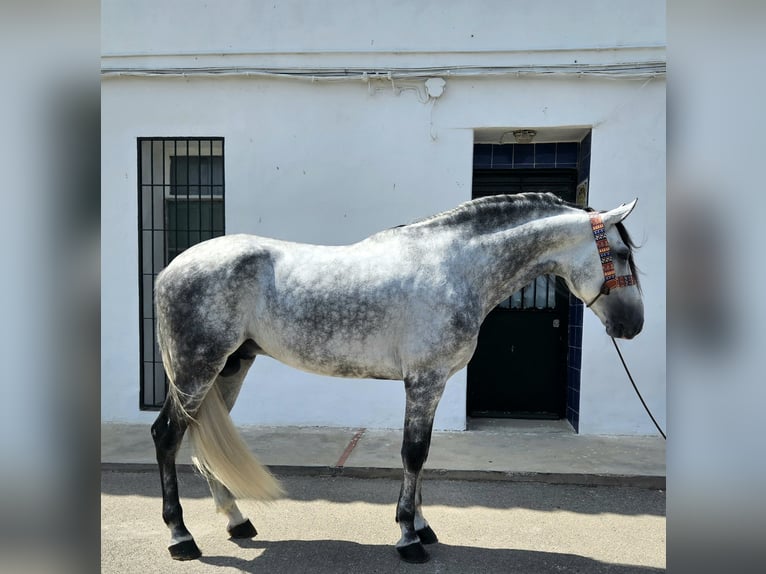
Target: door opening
519,369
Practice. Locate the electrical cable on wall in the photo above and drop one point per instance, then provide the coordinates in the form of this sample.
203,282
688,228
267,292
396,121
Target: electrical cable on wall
628,70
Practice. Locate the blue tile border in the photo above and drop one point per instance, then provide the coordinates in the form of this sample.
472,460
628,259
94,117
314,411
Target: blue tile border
503,156
567,154
574,361
525,156
482,156
545,155
583,159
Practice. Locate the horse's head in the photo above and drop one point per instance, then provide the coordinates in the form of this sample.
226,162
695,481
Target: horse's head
604,274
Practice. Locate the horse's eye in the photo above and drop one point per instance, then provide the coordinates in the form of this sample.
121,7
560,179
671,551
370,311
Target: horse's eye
622,255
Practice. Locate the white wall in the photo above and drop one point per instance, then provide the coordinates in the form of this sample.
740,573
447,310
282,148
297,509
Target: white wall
334,162
290,26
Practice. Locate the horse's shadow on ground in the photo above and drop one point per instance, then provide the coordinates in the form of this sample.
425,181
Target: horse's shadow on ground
332,556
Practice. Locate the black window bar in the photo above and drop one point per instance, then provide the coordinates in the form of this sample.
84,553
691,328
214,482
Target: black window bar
539,294
181,189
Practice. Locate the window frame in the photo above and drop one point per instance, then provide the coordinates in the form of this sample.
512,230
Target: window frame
156,186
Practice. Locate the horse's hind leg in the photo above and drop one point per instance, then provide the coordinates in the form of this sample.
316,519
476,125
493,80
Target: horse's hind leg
230,383
423,395
192,382
167,431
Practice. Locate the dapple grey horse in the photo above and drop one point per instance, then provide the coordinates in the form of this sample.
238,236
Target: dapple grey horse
404,304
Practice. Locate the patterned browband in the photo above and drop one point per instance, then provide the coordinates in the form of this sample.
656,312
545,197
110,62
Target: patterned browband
611,281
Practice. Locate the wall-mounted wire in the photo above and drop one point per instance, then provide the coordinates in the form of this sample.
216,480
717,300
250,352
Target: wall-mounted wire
628,70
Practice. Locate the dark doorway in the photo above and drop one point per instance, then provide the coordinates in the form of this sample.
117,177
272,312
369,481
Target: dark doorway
519,369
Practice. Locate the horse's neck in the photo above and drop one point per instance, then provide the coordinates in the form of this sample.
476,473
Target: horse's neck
510,259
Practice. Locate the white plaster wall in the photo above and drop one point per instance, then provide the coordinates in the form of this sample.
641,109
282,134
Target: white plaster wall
338,26
332,163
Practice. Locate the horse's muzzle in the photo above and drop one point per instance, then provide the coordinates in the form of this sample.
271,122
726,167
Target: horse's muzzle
621,330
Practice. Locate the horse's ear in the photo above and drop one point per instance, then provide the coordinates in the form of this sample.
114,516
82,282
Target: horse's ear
616,215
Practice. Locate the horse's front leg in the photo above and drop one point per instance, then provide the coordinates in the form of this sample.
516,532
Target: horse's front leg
423,394
424,531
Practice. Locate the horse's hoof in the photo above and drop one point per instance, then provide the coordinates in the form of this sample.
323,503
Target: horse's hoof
244,530
413,553
427,536
186,550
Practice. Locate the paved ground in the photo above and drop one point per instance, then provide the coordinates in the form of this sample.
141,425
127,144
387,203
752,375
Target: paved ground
340,524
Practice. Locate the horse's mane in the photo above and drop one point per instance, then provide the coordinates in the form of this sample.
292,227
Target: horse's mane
494,210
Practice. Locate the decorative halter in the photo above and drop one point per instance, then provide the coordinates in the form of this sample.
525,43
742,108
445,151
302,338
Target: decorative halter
611,281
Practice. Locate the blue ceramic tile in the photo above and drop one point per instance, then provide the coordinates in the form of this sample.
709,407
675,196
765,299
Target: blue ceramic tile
575,337
573,376
583,171
482,155
566,154
585,144
574,402
575,354
502,155
575,422
575,311
545,155
524,155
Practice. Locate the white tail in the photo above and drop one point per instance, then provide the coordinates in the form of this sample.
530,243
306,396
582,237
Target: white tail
220,452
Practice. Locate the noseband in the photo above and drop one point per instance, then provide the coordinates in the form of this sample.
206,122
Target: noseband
605,253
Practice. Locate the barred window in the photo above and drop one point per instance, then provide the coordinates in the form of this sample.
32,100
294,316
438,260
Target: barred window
180,202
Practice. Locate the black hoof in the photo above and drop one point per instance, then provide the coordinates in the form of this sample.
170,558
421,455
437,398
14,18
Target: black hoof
427,536
244,530
186,550
413,553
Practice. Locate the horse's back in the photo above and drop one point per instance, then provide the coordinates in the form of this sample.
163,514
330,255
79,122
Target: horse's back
362,310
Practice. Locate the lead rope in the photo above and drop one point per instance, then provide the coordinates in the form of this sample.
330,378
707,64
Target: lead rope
632,382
